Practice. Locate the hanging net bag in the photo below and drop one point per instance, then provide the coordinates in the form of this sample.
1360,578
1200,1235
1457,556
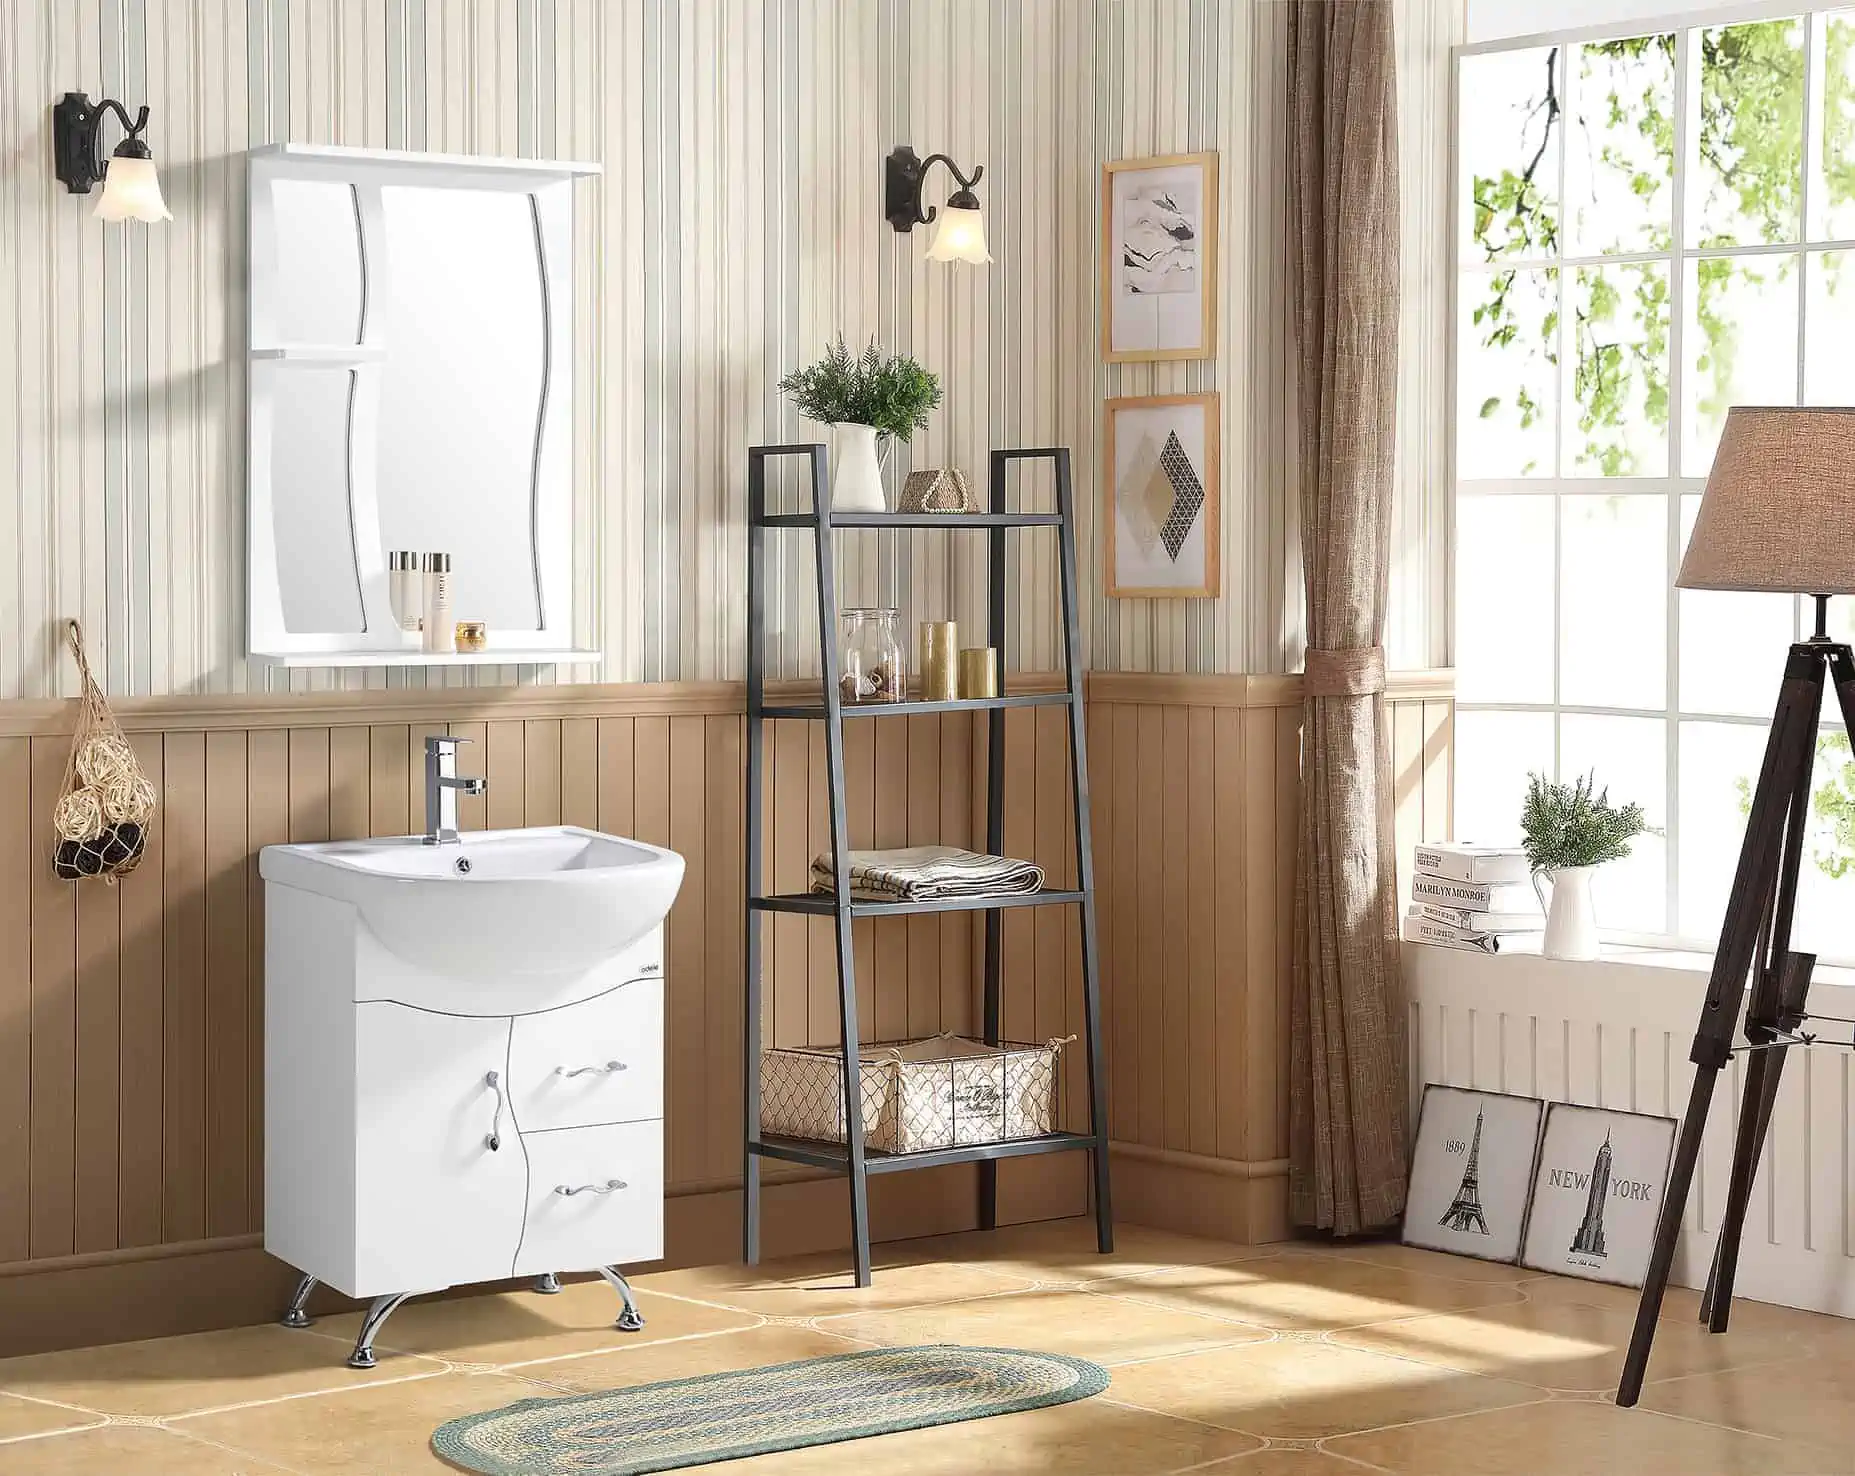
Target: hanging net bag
106,803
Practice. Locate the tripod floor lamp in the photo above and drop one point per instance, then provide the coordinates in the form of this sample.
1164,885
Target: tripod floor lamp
1778,515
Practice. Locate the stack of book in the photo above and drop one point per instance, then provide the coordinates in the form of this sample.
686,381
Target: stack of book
1466,896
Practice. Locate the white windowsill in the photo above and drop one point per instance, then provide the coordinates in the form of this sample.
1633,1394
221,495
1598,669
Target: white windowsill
1524,959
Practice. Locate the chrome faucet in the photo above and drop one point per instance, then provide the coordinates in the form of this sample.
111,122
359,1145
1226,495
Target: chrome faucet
442,787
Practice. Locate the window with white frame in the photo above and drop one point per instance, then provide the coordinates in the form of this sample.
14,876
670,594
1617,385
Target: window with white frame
1650,229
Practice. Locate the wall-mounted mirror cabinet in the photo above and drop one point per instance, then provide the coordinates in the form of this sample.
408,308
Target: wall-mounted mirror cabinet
410,389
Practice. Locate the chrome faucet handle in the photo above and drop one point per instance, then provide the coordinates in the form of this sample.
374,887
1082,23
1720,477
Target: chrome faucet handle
436,743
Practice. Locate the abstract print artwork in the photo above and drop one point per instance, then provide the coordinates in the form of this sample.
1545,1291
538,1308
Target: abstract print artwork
1472,1172
1597,1192
1159,239
1162,514
1159,257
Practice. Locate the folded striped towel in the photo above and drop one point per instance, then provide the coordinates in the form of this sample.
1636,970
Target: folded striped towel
922,873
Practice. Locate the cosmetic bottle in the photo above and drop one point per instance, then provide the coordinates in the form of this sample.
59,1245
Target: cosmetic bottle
405,589
440,628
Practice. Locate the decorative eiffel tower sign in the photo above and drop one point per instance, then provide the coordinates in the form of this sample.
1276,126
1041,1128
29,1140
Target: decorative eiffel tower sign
1464,1212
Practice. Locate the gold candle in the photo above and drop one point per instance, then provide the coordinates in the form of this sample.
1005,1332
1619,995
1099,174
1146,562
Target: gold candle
978,672
940,640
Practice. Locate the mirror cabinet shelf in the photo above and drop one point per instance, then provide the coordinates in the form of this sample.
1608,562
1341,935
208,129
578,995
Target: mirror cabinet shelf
410,389
506,656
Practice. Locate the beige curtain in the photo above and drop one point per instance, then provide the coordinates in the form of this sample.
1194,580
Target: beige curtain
1346,1094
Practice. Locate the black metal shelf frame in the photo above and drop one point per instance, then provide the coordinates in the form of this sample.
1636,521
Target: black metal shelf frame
851,1157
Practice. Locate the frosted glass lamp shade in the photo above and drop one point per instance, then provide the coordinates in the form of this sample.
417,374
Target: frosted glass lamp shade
959,235
1779,510
132,191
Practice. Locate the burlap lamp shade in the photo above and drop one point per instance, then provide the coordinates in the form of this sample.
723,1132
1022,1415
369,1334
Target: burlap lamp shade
1779,510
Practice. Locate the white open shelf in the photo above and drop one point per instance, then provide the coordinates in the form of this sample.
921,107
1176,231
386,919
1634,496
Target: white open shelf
504,657
322,355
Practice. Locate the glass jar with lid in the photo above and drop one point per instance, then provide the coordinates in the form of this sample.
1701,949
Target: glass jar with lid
870,655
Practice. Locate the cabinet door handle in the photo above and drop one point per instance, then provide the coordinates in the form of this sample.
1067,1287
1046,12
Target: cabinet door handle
493,1139
606,1188
605,1070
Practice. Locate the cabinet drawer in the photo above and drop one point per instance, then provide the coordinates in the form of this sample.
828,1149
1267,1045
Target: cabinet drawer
614,1214
597,1062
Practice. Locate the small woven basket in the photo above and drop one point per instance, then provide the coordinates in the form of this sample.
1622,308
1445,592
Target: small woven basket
106,804
941,490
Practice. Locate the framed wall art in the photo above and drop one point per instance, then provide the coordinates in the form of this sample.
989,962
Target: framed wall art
1159,258
1163,497
1598,1192
1472,1172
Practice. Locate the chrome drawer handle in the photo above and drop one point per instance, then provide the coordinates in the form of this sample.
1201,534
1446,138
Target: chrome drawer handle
493,1139
605,1070
606,1188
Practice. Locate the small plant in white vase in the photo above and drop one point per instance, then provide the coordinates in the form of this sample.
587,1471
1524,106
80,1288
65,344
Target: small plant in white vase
1569,830
866,399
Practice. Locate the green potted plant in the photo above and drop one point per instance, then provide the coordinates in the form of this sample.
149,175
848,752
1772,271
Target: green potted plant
1569,830
866,399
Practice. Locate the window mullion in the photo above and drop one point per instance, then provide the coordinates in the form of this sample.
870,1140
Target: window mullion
1567,403
1686,70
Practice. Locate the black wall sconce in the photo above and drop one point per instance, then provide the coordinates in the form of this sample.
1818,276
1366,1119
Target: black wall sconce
960,234
131,189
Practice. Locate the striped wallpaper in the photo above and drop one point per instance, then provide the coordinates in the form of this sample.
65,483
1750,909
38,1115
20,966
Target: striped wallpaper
736,227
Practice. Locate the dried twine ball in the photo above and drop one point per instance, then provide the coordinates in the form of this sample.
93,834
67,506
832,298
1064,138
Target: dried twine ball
130,799
101,755
79,815
107,765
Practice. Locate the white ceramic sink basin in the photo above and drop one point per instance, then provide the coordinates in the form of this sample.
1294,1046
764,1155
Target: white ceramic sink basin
544,902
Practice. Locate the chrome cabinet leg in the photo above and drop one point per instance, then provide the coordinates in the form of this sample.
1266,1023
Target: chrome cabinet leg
630,1320
547,1283
377,1314
294,1315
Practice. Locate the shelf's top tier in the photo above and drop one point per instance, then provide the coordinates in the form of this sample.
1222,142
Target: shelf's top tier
811,517
911,520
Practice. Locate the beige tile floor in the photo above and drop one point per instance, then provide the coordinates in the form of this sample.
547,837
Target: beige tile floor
1292,1360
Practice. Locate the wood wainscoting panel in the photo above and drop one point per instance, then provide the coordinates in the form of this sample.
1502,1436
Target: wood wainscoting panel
1196,784
132,1016
17,839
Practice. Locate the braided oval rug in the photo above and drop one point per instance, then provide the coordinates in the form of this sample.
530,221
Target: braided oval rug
724,1416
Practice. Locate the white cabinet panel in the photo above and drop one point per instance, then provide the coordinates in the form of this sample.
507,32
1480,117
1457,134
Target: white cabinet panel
597,1062
438,1205
614,1215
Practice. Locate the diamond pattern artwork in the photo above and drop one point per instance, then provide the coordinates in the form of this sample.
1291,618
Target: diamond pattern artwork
1162,500
1187,498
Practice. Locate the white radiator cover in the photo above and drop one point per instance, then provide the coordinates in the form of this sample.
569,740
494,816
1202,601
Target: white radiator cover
1616,1033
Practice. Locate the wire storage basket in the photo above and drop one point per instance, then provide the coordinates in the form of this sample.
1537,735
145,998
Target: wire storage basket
945,1091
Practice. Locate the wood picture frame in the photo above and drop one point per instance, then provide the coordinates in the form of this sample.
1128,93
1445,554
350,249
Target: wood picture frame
1159,285
1174,438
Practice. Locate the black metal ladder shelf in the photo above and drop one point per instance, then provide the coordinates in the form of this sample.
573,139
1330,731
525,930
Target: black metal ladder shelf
852,1157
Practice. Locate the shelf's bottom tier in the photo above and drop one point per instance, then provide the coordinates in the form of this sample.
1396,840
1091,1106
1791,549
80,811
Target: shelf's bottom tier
820,1154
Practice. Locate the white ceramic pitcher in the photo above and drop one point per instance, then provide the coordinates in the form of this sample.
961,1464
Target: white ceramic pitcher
856,481
1571,919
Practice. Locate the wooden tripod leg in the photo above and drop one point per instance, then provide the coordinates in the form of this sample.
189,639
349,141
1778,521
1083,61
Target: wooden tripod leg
1762,1097
1667,1233
1762,1073
1777,1005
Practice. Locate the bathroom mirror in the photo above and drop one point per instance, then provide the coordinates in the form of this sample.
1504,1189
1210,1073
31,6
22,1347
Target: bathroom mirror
411,320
